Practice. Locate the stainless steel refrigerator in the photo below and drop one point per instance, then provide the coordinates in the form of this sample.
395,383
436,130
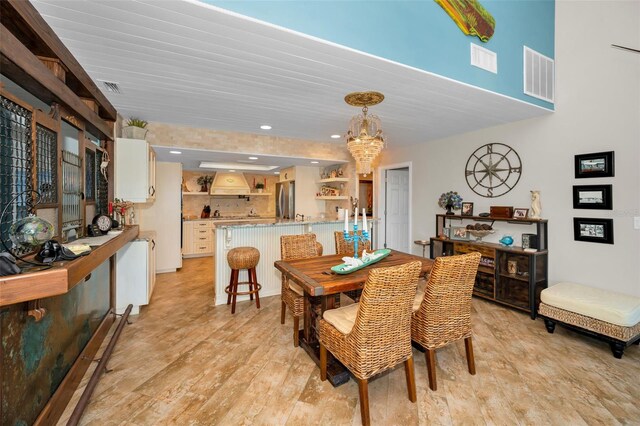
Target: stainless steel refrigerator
285,200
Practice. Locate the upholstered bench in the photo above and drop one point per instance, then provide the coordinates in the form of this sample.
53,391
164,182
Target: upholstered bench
608,316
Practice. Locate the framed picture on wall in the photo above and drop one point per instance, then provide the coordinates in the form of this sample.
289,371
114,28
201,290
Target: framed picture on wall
592,197
598,164
467,209
593,230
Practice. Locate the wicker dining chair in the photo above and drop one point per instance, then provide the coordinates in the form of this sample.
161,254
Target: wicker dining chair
375,334
295,247
345,248
442,313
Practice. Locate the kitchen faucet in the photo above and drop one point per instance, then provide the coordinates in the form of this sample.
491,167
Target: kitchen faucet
301,215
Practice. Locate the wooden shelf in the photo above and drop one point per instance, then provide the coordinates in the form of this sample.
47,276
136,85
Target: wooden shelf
63,276
492,219
334,180
195,193
249,194
334,197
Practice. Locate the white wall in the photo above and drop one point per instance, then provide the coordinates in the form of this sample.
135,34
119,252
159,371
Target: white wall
306,189
597,109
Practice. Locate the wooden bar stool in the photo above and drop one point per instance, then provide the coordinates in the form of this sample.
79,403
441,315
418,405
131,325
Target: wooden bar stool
243,258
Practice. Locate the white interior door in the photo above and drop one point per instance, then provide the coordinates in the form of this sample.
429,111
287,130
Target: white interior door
397,209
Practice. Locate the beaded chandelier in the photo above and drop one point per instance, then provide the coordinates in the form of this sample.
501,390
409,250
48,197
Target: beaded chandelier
364,137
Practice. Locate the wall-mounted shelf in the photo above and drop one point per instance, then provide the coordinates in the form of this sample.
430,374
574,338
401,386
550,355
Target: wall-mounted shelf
63,276
337,179
243,194
195,193
335,197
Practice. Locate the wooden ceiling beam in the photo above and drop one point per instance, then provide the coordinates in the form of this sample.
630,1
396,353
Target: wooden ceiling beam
32,18
29,67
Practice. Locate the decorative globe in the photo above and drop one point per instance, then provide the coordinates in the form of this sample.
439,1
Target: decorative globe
30,231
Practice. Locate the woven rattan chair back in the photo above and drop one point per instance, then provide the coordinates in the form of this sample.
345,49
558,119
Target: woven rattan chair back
445,313
345,248
298,246
381,334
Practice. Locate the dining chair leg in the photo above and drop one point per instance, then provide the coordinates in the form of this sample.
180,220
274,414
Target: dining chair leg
471,363
411,378
363,388
283,310
296,332
255,286
430,355
323,362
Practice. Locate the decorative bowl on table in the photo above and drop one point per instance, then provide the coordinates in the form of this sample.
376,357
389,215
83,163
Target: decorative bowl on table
479,234
374,257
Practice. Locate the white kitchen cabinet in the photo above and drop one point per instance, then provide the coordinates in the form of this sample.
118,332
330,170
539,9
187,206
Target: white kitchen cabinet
197,238
135,170
136,273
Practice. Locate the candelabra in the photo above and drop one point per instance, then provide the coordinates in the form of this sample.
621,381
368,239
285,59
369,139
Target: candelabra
355,238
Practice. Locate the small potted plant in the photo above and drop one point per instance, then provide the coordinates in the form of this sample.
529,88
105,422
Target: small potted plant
259,187
135,129
204,182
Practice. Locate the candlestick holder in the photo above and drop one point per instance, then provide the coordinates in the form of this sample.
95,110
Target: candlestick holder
355,239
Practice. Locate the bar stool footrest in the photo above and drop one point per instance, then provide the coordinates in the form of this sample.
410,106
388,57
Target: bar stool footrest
244,293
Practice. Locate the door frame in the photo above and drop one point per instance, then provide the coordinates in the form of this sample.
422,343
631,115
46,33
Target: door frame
380,204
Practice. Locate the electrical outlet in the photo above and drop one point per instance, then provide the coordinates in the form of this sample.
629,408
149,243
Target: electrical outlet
636,222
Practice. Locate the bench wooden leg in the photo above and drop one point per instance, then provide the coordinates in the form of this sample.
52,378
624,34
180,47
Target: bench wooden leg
617,348
551,325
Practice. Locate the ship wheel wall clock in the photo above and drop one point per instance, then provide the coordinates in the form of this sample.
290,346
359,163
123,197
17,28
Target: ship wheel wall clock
493,170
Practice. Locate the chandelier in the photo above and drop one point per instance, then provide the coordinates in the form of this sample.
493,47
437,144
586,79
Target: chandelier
364,137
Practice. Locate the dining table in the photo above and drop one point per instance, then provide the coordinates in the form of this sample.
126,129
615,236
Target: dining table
322,288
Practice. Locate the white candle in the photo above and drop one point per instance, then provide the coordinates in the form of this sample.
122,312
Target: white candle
346,220
355,219
364,221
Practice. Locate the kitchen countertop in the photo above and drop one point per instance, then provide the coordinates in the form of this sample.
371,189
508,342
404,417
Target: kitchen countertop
277,222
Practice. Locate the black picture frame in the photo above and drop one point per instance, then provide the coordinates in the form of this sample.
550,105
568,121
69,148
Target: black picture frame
467,209
597,164
593,230
595,197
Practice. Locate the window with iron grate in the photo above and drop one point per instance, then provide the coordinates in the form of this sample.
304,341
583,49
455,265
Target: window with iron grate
47,164
89,175
16,164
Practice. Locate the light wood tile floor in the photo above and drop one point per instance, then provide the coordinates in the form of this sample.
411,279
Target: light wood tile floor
184,361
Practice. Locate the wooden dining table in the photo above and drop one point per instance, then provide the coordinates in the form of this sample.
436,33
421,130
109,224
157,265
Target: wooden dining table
322,288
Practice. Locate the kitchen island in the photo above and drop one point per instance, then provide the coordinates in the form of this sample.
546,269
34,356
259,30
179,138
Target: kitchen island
265,236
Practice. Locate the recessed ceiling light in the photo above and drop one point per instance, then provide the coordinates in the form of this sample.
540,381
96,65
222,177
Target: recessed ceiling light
276,173
314,162
253,158
335,136
232,171
175,152
265,127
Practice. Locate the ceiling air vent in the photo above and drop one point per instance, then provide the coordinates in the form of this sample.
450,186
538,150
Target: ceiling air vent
539,71
110,86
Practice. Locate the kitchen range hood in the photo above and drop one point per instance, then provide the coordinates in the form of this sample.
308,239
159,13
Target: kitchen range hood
230,184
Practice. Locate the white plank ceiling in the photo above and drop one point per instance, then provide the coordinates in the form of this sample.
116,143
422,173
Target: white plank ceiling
192,64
